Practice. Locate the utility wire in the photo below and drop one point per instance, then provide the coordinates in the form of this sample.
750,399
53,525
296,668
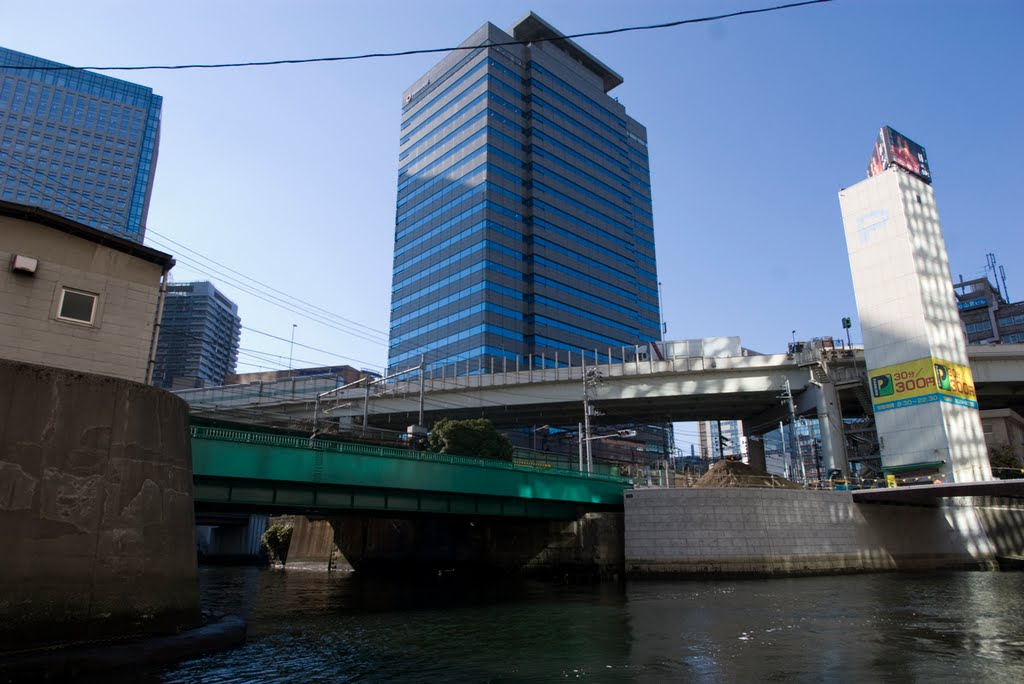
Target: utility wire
267,297
150,231
427,51
254,287
252,290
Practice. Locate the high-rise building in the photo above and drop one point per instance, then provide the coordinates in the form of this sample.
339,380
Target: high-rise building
199,334
722,439
524,228
78,144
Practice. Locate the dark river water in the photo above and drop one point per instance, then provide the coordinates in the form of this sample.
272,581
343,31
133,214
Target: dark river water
309,626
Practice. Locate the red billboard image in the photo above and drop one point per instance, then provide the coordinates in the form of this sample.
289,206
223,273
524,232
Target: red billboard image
880,157
891,148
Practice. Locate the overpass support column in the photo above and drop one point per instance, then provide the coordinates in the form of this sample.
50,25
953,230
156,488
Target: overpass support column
755,452
830,425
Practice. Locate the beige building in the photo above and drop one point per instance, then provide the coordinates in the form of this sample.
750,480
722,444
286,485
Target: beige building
77,298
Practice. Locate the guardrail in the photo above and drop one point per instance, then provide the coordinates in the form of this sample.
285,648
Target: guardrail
285,441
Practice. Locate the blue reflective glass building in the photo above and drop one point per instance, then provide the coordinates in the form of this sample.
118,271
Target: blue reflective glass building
199,336
78,144
523,226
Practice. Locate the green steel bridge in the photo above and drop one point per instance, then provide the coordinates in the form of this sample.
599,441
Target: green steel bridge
266,472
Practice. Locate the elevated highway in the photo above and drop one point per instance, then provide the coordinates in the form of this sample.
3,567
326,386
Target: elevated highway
683,389
825,383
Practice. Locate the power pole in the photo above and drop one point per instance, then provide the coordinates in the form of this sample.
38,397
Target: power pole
366,401
590,379
798,454
423,366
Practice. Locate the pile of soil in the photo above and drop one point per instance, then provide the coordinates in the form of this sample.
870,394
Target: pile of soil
739,474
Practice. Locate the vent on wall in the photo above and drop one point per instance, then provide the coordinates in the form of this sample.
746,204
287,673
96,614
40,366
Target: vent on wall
24,264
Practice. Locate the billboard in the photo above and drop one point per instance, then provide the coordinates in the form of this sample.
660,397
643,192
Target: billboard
922,382
891,148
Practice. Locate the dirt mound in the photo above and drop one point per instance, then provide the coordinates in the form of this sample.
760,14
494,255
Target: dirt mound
739,474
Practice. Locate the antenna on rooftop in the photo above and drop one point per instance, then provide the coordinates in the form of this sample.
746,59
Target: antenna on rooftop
990,265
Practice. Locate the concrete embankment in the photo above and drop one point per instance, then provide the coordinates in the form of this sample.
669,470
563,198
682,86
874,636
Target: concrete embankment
758,532
96,509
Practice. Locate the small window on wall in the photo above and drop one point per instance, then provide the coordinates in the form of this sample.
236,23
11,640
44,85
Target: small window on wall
77,306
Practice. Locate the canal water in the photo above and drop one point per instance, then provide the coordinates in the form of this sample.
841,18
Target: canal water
309,626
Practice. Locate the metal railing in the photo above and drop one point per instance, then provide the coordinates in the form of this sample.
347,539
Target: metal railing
354,448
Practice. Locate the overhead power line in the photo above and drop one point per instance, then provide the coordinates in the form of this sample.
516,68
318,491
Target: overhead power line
427,51
254,287
150,231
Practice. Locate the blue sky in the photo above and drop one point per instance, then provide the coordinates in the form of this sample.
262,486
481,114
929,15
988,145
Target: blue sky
287,174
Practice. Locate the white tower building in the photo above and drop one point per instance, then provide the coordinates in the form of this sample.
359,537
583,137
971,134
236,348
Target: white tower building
923,395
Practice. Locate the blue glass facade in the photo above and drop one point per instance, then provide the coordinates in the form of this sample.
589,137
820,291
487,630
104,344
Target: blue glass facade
523,221
78,144
199,336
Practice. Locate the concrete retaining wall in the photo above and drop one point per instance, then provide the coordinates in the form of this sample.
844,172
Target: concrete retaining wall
765,531
96,509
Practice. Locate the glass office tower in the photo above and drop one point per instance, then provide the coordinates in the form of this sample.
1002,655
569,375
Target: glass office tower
523,225
199,336
79,144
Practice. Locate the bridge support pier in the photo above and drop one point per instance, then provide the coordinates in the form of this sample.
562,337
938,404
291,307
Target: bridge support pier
591,545
755,452
830,425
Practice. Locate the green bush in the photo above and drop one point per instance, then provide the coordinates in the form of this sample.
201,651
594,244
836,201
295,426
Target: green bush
475,437
276,540
1004,463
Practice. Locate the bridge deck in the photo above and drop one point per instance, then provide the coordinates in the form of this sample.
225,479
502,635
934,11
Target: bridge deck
264,471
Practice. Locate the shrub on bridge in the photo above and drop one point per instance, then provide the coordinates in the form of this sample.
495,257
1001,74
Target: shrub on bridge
475,437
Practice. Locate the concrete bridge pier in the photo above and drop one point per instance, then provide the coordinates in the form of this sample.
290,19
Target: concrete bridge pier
755,451
96,509
589,546
830,425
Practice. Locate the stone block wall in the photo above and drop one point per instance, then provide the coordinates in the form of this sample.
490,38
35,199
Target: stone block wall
765,532
96,509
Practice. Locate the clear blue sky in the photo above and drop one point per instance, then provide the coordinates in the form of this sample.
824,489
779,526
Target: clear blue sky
287,174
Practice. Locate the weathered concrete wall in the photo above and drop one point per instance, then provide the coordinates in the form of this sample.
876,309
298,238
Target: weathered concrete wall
312,544
1003,521
755,531
96,510
591,545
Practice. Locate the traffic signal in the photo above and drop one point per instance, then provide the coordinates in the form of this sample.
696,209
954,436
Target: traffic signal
846,323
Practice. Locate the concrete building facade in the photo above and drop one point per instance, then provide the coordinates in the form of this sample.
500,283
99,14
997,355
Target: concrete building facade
722,439
75,297
987,316
199,335
923,397
78,144
524,229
